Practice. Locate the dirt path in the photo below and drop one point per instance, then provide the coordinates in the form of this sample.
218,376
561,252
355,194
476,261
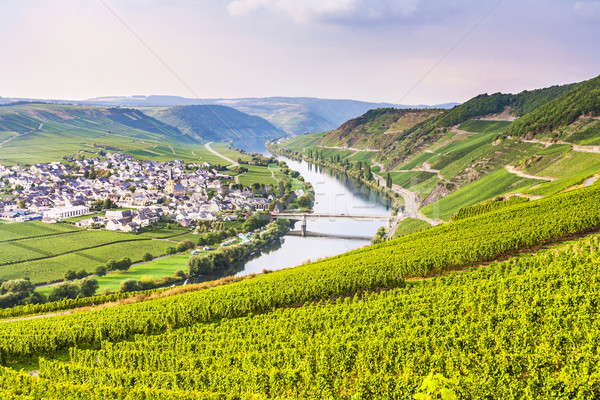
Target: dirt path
172,150
233,163
513,170
575,147
272,173
39,128
349,148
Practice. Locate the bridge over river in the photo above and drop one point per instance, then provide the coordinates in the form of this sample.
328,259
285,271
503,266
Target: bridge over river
303,217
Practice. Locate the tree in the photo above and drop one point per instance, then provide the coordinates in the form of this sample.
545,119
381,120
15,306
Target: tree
19,286
70,275
199,265
129,285
82,273
170,250
147,257
21,203
88,287
124,263
388,181
64,291
107,204
101,270
111,265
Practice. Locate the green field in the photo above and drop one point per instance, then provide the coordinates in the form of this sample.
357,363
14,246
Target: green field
487,187
411,225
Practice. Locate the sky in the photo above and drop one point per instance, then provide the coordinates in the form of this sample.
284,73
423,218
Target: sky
397,51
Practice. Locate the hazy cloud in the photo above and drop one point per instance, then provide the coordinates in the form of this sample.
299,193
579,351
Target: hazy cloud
332,11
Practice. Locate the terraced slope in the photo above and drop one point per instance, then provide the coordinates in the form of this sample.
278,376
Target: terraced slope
534,143
352,326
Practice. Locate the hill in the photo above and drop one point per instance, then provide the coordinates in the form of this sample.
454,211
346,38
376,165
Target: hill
553,117
459,157
217,123
40,132
293,115
386,321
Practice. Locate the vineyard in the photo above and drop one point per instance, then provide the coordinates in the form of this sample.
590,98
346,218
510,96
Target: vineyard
45,252
352,326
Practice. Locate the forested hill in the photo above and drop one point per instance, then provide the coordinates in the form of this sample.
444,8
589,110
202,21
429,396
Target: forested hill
217,123
475,151
562,111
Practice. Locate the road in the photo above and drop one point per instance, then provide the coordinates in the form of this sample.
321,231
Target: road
513,170
233,163
411,202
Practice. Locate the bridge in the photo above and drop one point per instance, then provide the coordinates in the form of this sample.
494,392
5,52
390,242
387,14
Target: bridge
303,217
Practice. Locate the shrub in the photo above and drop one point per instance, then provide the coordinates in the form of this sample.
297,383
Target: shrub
184,245
129,285
147,257
170,250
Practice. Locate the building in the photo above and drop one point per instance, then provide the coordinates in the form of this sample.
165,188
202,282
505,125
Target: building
66,212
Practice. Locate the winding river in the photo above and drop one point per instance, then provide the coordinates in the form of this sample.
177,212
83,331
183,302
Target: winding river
334,194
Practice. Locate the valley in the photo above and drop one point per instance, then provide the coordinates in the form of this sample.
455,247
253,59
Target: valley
484,285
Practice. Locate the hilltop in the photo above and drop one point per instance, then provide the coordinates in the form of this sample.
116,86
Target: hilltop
533,143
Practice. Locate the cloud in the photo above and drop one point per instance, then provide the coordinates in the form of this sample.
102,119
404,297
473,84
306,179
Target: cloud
331,11
587,9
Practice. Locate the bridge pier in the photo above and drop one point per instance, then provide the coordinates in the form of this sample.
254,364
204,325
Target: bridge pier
389,224
303,226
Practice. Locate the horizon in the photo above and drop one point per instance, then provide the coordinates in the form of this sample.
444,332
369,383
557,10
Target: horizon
398,52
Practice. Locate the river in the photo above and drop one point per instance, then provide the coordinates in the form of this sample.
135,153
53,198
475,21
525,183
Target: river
334,194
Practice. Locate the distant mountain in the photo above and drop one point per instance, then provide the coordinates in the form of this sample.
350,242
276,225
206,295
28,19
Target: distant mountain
217,123
294,115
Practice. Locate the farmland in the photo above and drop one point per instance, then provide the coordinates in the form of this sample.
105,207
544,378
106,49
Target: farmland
45,252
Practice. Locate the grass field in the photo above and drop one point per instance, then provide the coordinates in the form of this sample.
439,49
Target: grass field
485,188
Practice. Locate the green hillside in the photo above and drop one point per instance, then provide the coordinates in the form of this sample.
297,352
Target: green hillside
361,325
38,132
473,152
584,100
217,123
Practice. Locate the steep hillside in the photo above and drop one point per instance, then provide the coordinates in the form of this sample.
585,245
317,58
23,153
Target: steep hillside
376,129
38,132
465,155
584,100
217,123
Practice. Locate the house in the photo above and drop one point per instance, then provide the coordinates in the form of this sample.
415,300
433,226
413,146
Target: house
66,212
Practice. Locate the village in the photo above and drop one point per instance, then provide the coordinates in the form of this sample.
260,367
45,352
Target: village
142,192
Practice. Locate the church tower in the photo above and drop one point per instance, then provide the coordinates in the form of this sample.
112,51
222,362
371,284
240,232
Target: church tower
171,182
